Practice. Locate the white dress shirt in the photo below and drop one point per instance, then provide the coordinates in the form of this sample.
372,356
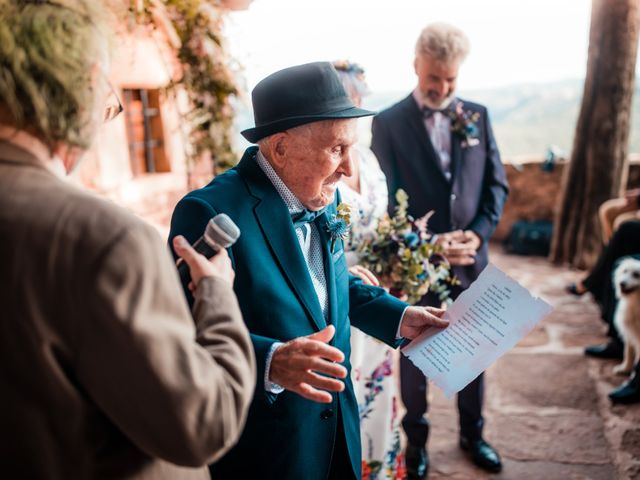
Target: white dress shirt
309,241
438,127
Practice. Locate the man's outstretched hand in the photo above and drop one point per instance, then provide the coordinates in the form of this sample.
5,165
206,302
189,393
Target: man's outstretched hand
311,368
298,364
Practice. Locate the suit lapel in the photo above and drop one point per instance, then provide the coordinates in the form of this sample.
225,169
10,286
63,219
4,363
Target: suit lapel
273,217
329,273
457,152
416,122
457,155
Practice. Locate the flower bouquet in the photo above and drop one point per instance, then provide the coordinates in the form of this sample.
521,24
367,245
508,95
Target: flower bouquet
405,257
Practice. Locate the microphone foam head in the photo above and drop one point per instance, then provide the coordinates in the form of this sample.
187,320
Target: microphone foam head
222,231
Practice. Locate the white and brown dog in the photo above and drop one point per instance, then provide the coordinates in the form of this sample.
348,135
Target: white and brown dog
626,280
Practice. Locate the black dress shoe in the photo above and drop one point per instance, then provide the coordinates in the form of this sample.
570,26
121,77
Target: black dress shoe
608,350
416,460
482,454
627,393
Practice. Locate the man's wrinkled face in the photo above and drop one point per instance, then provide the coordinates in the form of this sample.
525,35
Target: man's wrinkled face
436,80
317,156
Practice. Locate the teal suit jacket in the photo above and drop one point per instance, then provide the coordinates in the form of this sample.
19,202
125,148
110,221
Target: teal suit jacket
286,436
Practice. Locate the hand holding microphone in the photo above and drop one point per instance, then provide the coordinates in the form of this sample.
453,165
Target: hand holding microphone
221,232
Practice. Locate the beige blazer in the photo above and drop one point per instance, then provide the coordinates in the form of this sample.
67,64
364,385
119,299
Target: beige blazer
103,373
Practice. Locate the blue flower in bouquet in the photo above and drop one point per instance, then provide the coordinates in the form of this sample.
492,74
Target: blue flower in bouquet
411,240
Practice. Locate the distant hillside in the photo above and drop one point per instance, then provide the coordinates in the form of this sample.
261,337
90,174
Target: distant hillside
527,119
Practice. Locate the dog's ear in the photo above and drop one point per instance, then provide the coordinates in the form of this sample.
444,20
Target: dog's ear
617,273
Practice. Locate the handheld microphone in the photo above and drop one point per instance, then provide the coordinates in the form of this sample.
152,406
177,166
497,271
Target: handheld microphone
221,232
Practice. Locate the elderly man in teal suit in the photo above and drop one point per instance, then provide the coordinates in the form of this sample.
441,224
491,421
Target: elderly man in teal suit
296,295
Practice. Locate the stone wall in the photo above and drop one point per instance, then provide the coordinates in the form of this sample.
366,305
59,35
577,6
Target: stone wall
535,194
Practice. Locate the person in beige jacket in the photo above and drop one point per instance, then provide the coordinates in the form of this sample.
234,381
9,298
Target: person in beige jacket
103,371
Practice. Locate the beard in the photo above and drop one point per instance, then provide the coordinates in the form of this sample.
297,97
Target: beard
442,104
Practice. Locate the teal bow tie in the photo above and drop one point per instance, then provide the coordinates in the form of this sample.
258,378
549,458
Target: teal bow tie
306,216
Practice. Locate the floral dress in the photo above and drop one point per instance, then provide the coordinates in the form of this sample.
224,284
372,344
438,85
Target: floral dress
373,362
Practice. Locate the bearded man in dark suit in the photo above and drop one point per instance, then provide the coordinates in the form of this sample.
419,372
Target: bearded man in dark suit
441,151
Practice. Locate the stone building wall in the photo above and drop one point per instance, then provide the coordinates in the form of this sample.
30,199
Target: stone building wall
145,59
535,194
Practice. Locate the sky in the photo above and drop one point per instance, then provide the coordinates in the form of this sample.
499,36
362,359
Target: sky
512,41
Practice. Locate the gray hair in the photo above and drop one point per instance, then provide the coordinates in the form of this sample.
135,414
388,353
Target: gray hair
443,42
47,54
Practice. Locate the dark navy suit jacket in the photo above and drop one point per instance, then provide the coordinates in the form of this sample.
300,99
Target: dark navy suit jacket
286,436
474,197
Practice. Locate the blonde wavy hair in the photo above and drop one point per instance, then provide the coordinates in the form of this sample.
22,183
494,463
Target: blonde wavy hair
443,42
48,54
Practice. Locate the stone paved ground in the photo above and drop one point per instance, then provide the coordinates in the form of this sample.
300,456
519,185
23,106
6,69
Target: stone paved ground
546,406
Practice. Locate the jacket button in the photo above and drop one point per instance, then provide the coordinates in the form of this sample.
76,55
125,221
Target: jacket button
328,413
453,196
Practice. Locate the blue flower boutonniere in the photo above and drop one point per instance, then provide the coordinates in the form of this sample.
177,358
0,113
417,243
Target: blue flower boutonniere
340,224
465,125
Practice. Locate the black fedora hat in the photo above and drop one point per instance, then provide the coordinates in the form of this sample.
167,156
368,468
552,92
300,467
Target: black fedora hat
299,95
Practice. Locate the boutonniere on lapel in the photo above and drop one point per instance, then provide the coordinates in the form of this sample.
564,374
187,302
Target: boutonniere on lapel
340,224
464,123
